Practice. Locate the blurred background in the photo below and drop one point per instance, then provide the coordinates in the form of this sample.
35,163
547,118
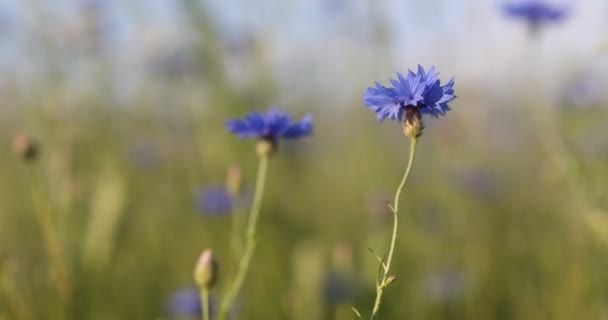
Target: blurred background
504,217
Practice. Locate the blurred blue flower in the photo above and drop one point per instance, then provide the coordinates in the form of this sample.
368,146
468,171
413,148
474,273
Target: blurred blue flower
272,125
214,200
145,155
445,286
185,303
338,288
481,183
535,12
422,91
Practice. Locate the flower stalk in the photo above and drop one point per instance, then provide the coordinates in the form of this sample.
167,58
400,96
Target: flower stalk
249,246
387,279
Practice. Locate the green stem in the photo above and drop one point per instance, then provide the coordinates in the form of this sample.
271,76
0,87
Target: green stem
235,235
49,238
395,208
249,247
205,303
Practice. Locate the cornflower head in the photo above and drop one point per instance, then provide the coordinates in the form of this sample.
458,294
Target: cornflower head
411,96
185,303
269,128
535,12
214,201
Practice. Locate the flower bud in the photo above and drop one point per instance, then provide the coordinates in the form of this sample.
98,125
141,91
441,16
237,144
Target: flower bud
389,281
265,147
205,272
25,146
234,180
412,125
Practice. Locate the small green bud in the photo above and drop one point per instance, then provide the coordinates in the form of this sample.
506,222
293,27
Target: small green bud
25,146
412,124
205,272
265,147
234,180
388,281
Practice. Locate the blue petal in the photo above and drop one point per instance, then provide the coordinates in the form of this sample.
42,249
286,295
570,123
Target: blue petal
421,90
273,124
299,129
241,128
535,12
277,122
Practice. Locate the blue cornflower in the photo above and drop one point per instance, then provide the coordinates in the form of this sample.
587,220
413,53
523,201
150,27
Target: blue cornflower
185,303
271,126
412,95
535,12
422,91
214,200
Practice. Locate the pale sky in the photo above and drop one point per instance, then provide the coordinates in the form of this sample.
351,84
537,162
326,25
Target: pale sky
310,44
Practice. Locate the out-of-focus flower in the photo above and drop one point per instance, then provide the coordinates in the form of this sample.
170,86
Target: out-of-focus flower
445,286
587,87
270,127
478,182
185,303
338,288
339,283
214,200
379,211
25,146
535,12
234,180
583,91
417,91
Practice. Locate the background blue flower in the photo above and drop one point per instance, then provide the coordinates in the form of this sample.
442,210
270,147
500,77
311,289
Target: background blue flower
214,200
185,303
416,90
535,12
272,125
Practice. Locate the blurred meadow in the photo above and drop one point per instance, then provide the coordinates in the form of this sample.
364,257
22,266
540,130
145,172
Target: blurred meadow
505,215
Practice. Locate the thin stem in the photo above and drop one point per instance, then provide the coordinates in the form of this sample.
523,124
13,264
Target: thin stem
49,237
205,303
395,208
249,247
235,236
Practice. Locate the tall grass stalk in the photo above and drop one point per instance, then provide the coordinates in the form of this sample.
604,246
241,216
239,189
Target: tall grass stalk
49,238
